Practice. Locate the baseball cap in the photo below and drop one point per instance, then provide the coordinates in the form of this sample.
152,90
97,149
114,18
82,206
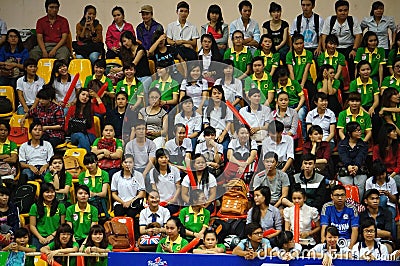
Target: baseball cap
146,8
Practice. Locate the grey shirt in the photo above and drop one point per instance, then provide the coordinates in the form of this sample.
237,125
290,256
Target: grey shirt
276,184
272,219
141,154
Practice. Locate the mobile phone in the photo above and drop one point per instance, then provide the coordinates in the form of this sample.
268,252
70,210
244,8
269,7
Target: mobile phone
89,18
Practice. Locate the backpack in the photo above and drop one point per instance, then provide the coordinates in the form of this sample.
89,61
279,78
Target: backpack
223,228
72,165
24,197
316,24
234,201
5,105
117,234
350,21
19,135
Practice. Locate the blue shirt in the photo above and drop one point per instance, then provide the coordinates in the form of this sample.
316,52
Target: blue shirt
343,220
245,244
22,56
146,36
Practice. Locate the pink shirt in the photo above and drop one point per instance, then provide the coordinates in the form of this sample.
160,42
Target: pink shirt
113,34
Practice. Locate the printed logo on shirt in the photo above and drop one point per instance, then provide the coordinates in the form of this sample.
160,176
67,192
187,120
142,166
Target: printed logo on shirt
362,121
170,177
231,57
364,57
378,56
359,90
75,217
86,181
345,216
348,120
187,218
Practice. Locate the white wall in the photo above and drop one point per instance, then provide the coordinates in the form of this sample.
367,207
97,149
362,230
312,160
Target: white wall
24,13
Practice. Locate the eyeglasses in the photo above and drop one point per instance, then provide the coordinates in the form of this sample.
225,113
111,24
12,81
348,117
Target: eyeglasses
339,195
258,233
369,231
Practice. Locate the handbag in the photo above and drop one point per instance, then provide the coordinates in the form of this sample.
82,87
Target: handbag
77,125
149,242
110,145
8,72
19,135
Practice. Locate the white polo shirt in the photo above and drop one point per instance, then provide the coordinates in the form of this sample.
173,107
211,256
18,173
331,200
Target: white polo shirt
342,31
166,183
284,149
215,120
172,147
127,188
30,90
195,90
324,121
194,122
258,118
146,218
212,182
39,155
187,32
62,89
231,91
242,150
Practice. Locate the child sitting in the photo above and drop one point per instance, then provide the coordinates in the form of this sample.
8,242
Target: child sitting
21,243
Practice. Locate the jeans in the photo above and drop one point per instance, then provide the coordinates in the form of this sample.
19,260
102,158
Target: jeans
358,180
302,113
92,57
83,140
30,175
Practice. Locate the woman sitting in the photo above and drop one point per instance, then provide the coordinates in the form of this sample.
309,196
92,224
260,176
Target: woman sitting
97,242
254,244
174,241
60,178
109,150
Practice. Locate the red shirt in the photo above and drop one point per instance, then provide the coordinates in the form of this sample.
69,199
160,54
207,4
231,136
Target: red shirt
52,33
113,34
50,116
96,108
392,162
323,152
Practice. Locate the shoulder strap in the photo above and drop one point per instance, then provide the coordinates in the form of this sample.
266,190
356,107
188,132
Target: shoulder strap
350,21
332,23
298,23
316,25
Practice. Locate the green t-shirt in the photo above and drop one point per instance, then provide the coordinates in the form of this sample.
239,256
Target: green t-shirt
30,260
362,118
81,221
49,178
95,183
392,55
194,222
8,147
335,60
299,63
335,85
97,261
110,87
134,91
294,90
376,58
72,260
391,81
177,245
264,85
47,224
167,88
270,61
367,91
217,246
240,60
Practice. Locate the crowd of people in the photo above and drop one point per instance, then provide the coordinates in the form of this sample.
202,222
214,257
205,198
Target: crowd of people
208,115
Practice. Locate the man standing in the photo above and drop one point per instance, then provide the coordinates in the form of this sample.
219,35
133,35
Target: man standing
146,29
348,31
248,26
183,34
52,32
340,214
310,26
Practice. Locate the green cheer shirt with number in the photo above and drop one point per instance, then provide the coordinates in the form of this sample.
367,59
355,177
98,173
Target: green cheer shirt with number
95,183
240,60
167,88
264,85
375,58
81,220
367,90
292,88
47,224
194,221
271,60
361,118
299,63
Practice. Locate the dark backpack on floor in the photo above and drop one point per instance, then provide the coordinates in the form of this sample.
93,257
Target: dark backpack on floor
230,227
24,197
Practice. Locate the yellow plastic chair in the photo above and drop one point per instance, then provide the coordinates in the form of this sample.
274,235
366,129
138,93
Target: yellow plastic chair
45,65
97,126
114,61
81,66
8,91
39,262
77,152
15,122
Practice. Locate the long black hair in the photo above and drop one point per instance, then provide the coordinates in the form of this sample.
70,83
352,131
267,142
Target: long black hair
20,46
216,9
210,106
156,172
83,19
126,54
256,211
54,72
94,230
64,228
383,141
205,175
87,109
61,174
54,205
